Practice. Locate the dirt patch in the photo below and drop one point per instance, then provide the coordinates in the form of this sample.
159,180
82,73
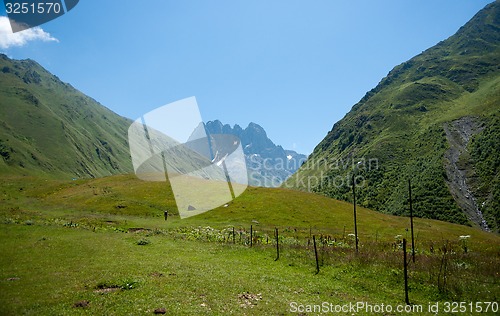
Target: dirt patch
160,311
138,230
248,299
459,169
13,279
81,304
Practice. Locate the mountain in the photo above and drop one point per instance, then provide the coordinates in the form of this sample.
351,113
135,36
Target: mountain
268,164
434,120
49,128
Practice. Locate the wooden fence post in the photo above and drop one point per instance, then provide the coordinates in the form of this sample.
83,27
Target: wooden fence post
316,254
277,245
251,235
405,267
355,221
411,224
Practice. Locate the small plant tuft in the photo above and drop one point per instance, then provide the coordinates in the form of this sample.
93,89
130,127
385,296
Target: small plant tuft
143,242
9,220
82,304
124,284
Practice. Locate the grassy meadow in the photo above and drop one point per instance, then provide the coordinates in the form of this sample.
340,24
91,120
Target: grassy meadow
102,246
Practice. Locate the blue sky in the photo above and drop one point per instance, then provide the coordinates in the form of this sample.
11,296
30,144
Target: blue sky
293,66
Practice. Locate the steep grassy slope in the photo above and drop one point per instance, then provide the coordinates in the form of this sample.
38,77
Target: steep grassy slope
48,127
396,131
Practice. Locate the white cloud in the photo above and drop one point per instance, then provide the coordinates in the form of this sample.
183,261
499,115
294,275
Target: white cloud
9,39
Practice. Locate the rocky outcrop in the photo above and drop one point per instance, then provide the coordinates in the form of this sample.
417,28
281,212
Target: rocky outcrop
268,164
459,169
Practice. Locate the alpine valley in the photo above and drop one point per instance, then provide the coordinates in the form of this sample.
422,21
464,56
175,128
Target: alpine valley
81,233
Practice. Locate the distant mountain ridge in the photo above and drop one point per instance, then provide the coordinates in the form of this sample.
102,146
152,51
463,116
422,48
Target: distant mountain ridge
268,164
434,119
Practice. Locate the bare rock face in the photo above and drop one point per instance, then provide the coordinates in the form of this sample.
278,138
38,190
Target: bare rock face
268,164
459,168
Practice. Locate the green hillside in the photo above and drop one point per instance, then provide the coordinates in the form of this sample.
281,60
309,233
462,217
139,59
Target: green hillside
128,202
125,202
49,128
434,120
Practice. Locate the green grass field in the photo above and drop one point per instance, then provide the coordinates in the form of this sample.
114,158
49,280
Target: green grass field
102,246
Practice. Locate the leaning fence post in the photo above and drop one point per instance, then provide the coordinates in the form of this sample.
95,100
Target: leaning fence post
316,254
405,267
277,244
